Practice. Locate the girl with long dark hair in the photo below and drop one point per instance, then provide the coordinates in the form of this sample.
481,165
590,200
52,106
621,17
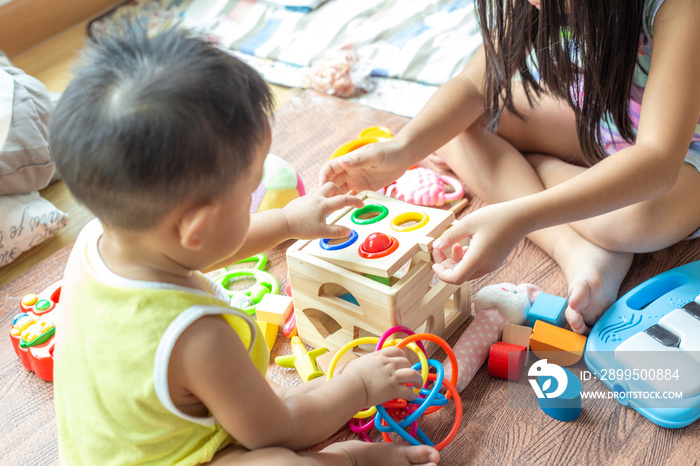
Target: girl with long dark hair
572,132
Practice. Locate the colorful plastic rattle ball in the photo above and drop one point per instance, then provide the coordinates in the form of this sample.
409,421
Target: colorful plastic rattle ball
401,416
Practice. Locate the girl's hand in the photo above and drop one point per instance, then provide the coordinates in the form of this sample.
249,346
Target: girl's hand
370,167
384,375
306,215
493,231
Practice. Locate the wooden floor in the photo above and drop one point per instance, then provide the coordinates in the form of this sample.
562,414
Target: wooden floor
502,423
50,62
497,427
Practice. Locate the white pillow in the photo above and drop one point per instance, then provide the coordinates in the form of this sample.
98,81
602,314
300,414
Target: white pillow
26,164
26,220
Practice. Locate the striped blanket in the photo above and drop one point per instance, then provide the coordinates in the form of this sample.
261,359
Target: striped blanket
405,46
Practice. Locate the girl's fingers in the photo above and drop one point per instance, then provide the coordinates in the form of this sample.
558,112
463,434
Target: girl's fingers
329,171
329,189
439,255
453,235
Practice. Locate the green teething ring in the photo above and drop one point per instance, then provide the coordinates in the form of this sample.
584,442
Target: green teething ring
262,279
259,259
379,209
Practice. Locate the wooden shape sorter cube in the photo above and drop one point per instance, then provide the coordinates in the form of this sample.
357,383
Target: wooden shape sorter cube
336,300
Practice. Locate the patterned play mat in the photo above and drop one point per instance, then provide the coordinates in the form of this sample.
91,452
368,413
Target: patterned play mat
397,48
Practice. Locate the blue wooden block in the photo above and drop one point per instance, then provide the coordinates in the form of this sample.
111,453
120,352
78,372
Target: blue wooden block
548,308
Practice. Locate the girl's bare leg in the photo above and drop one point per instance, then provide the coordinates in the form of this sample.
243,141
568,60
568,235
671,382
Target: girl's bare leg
495,168
644,227
352,453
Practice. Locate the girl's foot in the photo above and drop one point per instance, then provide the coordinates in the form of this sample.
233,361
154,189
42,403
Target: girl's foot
594,276
387,454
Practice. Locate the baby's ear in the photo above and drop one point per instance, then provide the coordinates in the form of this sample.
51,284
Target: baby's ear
193,223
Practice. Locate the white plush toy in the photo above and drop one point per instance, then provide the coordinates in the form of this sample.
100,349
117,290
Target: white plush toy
495,305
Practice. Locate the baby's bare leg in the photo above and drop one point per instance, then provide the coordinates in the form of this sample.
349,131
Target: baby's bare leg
352,453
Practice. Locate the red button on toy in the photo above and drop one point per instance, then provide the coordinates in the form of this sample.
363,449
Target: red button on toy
377,245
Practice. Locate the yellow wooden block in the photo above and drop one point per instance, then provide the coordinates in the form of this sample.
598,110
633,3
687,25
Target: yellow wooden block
274,308
555,344
269,331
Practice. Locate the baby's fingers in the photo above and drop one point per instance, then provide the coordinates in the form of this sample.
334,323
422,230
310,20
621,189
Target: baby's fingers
336,232
338,202
408,379
329,189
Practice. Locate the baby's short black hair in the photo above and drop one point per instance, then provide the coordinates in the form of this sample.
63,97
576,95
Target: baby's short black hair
151,122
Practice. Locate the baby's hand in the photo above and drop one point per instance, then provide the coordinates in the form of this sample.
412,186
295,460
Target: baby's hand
306,215
384,374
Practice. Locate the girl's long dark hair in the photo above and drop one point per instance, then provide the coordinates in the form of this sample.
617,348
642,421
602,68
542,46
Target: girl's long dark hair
586,54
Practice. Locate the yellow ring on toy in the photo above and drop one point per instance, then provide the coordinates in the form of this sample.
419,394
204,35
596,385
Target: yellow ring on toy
374,340
420,217
353,145
379,132
367,136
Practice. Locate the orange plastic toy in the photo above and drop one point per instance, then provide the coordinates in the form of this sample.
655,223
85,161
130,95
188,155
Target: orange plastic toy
33,329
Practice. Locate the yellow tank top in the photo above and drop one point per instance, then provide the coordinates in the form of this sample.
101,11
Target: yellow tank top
113,343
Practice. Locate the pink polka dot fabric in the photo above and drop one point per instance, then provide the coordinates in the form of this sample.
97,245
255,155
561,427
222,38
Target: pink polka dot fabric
472,348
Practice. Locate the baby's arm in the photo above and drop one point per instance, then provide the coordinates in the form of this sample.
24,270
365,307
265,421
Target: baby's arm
645,170
302,218
210,362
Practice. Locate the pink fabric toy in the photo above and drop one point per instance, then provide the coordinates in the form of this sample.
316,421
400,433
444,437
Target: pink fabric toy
495,305
422,186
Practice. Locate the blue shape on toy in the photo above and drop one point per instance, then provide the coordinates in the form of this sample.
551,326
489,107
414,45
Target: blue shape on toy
19,316
636,311
327,245
349,298
425,399
548,308
567,406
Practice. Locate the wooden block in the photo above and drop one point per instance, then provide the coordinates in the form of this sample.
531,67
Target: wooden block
555,344
269,331
324,361
507,360
516,335
548,308
274,308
